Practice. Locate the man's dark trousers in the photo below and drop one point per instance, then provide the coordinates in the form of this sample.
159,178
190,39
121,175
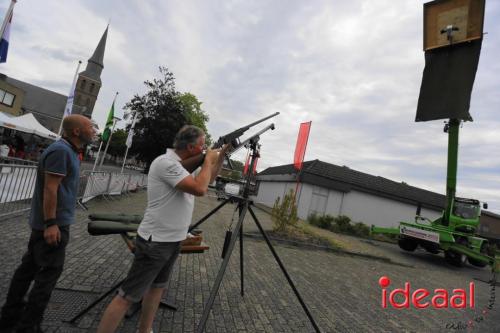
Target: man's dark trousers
42,264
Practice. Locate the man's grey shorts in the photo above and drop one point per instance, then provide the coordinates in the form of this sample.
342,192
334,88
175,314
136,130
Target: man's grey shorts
153,263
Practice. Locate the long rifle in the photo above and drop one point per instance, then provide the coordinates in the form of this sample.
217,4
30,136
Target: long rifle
233,138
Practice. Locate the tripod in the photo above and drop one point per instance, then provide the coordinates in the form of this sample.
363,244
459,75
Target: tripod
244,205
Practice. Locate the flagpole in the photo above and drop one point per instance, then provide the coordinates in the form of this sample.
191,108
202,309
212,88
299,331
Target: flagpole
7,16
124,159
97,158
107,143
71,97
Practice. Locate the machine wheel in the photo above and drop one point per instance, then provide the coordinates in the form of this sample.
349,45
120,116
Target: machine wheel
407,244
484,250
430,247
455,258
433,250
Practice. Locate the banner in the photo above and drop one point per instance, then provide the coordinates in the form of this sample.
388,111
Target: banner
109,122
71,96
130,136
300,148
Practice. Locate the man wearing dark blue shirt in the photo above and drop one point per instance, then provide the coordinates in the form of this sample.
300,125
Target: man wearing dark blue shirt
52,212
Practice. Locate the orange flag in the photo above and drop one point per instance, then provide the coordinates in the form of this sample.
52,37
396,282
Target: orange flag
300,148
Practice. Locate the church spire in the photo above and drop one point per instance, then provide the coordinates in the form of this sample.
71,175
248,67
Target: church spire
95,64
89,81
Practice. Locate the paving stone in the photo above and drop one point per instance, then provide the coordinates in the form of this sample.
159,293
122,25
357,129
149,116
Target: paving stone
342,291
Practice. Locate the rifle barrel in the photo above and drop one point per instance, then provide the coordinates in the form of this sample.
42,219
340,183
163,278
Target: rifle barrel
261,120
243,143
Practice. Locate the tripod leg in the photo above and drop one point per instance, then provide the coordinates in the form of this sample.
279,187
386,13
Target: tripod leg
84,311
204,218
222,269
283,269
242,292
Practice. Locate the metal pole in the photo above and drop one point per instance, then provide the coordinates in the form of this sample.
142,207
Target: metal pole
97,158
451,177
124,159
107,143
242,279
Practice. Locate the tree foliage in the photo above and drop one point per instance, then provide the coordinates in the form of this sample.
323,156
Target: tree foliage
195,115
161,112
117,145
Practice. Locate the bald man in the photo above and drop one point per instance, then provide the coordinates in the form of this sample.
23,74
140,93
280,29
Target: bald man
52,212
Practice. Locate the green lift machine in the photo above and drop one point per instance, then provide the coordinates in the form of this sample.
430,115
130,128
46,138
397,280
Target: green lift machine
453,32
455,231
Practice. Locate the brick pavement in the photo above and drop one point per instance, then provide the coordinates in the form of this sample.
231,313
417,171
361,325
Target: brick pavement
342,291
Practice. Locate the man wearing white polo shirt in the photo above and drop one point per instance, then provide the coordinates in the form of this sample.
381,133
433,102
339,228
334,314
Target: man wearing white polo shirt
171,191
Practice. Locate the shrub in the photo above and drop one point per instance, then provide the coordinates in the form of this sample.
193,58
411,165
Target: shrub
284,213
361,229
342,224
321,221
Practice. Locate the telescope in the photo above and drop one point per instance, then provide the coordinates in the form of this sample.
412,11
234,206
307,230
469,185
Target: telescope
232,138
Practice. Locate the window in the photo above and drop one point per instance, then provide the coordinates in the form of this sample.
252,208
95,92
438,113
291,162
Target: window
465,210
92,85
82,85
6,98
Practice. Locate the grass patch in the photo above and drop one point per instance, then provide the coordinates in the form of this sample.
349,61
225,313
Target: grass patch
304,234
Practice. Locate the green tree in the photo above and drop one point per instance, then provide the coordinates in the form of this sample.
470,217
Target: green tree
195,115
117,145
161,112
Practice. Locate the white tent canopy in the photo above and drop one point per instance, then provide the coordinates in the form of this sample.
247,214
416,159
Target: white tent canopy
26,123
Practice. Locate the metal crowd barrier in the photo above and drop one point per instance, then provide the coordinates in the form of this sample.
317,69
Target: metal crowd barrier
16,161
17,183
108,184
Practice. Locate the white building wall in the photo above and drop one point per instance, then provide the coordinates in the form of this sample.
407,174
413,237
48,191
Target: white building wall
269,191
359,206
379,211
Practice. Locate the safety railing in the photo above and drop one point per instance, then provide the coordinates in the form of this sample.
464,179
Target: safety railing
111,184
16,161
17,184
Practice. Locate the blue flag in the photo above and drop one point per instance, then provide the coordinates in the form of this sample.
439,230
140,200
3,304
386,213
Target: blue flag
5,33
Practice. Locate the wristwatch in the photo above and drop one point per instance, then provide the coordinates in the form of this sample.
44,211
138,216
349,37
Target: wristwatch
48,223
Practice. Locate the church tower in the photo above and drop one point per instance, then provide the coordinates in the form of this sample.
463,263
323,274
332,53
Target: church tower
89,81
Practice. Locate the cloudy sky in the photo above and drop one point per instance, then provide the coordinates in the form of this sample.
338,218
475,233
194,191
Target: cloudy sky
353,68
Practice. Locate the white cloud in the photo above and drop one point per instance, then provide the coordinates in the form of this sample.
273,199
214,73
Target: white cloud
351,67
